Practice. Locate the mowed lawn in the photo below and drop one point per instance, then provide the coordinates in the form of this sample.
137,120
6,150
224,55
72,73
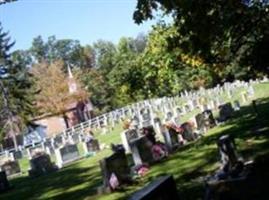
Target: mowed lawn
189,165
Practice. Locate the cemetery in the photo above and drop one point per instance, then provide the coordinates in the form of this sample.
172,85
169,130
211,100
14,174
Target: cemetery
89,111
189,159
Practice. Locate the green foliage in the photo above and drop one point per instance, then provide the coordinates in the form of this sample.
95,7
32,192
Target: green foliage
223,33
15,96
104,52
70,51
99,89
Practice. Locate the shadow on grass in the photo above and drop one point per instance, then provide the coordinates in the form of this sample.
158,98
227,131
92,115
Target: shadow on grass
71,182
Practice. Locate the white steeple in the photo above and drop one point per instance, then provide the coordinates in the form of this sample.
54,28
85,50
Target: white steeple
71,82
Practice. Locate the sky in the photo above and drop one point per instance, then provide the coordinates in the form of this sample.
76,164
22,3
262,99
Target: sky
83,20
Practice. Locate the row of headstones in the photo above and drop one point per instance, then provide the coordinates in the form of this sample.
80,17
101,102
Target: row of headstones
141,148
108,120
163,104
165,187
40,161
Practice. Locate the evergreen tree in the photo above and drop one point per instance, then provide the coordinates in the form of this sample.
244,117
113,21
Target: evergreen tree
15,95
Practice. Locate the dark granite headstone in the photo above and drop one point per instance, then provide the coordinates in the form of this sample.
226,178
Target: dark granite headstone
11,167
4,184
141,150
164,188
117,163
8,143
58,141
17,154
188,133
225,111
171,138
209,120
200,121
92,145
41,164
227,151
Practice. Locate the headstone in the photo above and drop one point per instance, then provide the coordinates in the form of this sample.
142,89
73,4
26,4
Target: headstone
115,166
91,146
32,150
225,111
171,138
146,117
127,137
227,151
41,164
187,132
236,105
158,128
141,150
244,97
169,116
76,138
58,141
11,167
200,121
4,184
209,119
163,188
187,108
17,154
48,146
66,154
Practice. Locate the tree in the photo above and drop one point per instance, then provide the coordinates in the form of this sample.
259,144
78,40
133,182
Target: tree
122,76
6,1
56,92
15,105
100,91
67,50
223,33
104,52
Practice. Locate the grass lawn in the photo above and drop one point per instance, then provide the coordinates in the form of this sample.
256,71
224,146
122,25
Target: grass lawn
188,165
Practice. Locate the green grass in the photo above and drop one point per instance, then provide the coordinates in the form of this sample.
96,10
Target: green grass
188,165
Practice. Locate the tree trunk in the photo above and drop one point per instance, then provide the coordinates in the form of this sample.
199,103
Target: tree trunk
8,111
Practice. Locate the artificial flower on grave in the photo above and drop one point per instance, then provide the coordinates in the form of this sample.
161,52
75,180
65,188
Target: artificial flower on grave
113,181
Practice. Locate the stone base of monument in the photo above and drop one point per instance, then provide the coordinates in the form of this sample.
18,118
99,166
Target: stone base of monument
163,188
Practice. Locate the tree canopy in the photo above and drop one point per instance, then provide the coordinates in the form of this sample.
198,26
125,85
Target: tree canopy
229,35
